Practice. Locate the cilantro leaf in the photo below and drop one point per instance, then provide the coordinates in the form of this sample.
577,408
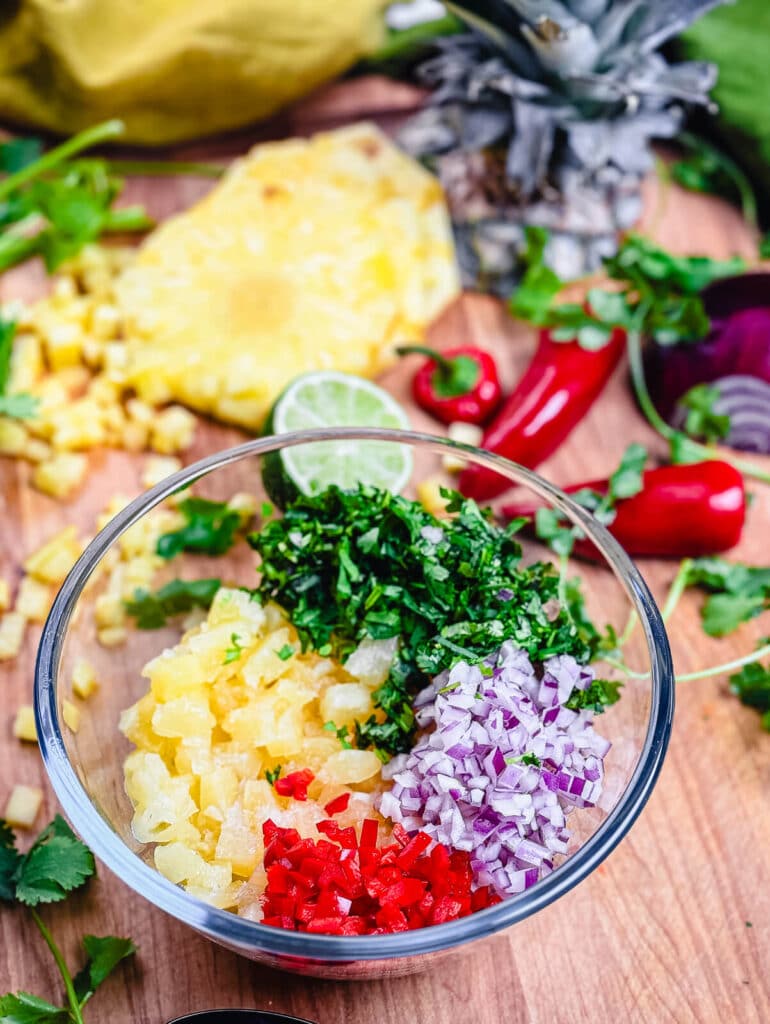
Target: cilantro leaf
600,694
764,246
104,955
18,153
273,774
738,592
285,652
341,732
627,479
210,528
56,864
24,1008
152,609
555,530
528,758
752,686
7,334
703,421
723,613
539,285
9,862
234,652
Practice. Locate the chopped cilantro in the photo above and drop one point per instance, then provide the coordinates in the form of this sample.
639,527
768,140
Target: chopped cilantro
56,864
273,774
152,609
234,652
210,528
703,421
353,564
597,697
529,758
341,733
266,510
285,652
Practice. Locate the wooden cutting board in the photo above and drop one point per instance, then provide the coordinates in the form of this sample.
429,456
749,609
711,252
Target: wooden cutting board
673,927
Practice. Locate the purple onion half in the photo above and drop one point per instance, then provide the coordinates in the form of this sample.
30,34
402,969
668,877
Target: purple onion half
734,358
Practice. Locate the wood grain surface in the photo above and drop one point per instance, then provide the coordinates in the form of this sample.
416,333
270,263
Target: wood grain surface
673,927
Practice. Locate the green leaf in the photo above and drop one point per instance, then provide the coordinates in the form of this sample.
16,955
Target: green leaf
9,862
555,530
152,610
627,480
18,153
599,695
722,613
234,652
210,528
24,1008
104,955
285,652
764,246
539,285
273,774
55,865
752,686
7,334
702,419
19,407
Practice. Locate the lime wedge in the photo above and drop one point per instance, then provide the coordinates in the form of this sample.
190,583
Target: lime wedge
331,399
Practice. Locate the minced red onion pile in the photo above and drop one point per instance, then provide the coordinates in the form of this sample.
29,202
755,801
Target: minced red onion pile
503,765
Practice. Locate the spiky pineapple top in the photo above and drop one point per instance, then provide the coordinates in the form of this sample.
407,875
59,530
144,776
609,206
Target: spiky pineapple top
543,112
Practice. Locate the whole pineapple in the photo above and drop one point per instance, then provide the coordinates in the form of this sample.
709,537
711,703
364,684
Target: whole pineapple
542,112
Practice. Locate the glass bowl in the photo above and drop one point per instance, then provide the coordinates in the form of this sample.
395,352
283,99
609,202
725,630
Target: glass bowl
86,767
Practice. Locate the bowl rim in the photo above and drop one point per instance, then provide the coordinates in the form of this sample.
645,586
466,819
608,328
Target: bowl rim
244,935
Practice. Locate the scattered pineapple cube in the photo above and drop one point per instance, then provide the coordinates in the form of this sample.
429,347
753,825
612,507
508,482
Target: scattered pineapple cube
244,504
24,724
79,424
36,450
55,558
12,627
71,714
158,467
64,289
5,595
105,321
13,437
135,436
23,806
63,344
112,636
26,363
83,679
140,411
464,433
61,475
34,599
344,703
172,430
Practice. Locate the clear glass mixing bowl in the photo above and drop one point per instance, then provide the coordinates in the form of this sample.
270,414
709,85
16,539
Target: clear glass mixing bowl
86,768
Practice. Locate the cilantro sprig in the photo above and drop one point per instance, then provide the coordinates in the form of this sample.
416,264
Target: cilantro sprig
703,421
353,564
210,528
752,687
56,865
152,609
737,592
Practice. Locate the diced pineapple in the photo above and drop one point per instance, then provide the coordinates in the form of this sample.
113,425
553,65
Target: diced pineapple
180,864
13,437
135,436
55,558
78,425
345,703
109,610
348,767
34,599
5,595
71,714
463,433
174,673
61,475
264,665
24,724
245,504
371,661
83,678
184,716
12,628
23,806
240,846
105,321
172,430
158,467
218,789
26,363
430,497
63,344
112,636
231,606
36,450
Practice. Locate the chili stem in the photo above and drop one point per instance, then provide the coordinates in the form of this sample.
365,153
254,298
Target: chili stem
72,998
83,140
128,218
444,364
656,420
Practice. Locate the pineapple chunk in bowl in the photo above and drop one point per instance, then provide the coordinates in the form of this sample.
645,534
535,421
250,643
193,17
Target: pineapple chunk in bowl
138,778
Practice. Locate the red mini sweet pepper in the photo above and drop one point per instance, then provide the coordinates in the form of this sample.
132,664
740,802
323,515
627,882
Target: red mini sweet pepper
681,512
458,385
557,390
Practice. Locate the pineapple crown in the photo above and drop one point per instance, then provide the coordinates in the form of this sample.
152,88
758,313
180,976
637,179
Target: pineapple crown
542,75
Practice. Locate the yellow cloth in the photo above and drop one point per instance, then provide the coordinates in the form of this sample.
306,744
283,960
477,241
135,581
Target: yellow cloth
172,69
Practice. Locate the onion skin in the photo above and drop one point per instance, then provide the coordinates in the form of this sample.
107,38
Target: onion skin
681,512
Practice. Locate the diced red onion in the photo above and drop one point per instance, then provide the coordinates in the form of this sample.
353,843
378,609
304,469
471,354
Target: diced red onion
464,782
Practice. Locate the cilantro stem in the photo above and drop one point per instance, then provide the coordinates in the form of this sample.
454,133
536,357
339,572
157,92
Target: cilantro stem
77,1016
622,667
636,365
153,168
728,666
631,624
732,170
128,218
83,140
677,588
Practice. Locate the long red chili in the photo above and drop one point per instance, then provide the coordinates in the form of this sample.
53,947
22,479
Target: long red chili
681,512
560,385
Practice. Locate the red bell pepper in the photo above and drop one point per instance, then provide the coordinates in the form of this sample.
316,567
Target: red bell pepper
681,512
458,385
294,784
557,390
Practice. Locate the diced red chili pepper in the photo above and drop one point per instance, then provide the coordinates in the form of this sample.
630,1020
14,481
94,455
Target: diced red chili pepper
346,837
417,845
400,834
369,832
338,804
294,784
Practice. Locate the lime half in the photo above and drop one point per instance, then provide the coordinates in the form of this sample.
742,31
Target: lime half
330,399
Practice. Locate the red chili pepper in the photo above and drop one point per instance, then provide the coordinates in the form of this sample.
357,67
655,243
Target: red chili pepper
338,804
339,889
681,512
557,390
460,384
294,784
